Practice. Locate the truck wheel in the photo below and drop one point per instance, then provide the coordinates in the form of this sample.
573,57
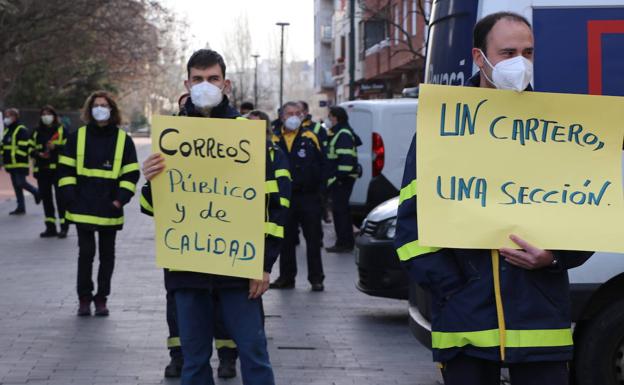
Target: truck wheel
599,357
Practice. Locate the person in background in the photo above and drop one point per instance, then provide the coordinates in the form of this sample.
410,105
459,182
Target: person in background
15,147
344,170
260,115
316,127
47,142
98,172
246,108
305,157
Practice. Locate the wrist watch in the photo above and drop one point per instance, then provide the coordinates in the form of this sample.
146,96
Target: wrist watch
555,261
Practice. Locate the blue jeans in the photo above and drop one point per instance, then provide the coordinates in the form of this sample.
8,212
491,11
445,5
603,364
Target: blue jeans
243,320
18,179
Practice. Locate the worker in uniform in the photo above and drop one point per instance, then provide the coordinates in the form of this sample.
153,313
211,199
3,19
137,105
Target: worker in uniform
15,148
98,172
316,127
344,170
493,308
46,143
306,160
201,298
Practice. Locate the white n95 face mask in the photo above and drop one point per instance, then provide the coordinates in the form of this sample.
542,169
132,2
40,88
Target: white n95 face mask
511,74
292,123
47,119
206,95
7,121
100,114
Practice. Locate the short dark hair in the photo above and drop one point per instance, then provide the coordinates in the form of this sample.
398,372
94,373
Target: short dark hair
484,26
247,106
204,58
51,110
340,114
262,116
304,104
115,114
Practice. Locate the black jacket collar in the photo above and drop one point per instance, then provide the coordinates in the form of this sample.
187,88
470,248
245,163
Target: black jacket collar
223,110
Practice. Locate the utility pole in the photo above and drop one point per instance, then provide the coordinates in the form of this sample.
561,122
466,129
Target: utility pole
352,50
256,56
281,93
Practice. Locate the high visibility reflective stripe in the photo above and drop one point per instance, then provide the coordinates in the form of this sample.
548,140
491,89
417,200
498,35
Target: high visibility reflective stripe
62,221
273,229
67,181
332,156
491,338
225,344
16,165
285,202
414,249
129,168
317,128
408,191
35,169
23,142
127,185
93,220
344,151
145,204
345,168
50,220
271,186
53,166
98,173
67,161
282,172
173,342
21,153
498,299
331,180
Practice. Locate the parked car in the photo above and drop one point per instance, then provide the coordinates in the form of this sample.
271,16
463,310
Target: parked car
386,127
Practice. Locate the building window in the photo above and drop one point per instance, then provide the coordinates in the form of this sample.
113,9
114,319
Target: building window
404,16
414,16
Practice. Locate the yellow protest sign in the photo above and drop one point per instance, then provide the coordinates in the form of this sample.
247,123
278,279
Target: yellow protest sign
209,201
546,167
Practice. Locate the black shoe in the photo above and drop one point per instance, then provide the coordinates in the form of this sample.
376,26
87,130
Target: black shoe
339,249
18,212
100,306
85,307
227,368
174,369
62,234
282,284
318,286
49,233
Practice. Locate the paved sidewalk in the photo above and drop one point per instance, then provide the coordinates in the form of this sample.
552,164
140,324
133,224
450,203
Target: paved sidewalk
340,336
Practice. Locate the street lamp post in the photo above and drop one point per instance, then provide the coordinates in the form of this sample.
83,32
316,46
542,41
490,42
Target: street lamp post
281,93
256,56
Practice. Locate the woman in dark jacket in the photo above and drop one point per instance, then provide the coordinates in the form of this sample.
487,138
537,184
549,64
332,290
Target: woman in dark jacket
98,175
47,142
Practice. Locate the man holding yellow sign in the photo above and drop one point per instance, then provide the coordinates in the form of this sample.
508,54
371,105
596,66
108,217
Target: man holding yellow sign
501,168
219,221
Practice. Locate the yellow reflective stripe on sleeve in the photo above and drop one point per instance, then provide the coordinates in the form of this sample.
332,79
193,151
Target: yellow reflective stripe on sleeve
408,191
225,344
285,202
93,220
173,342
145,204
20,152
491,338
500,314
414,249
50,220
128,186
271,186
23,142
345,168
282,172
273,229
67,181
67,161
129,168
345,151
53,166
16,165
331,180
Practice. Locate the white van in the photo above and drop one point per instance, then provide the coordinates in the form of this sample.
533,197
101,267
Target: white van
386,128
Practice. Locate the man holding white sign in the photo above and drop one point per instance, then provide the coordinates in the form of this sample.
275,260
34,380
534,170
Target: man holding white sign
198,293
489,311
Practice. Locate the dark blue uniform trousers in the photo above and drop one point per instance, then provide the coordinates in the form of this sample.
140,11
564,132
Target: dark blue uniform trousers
242,318
340,192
